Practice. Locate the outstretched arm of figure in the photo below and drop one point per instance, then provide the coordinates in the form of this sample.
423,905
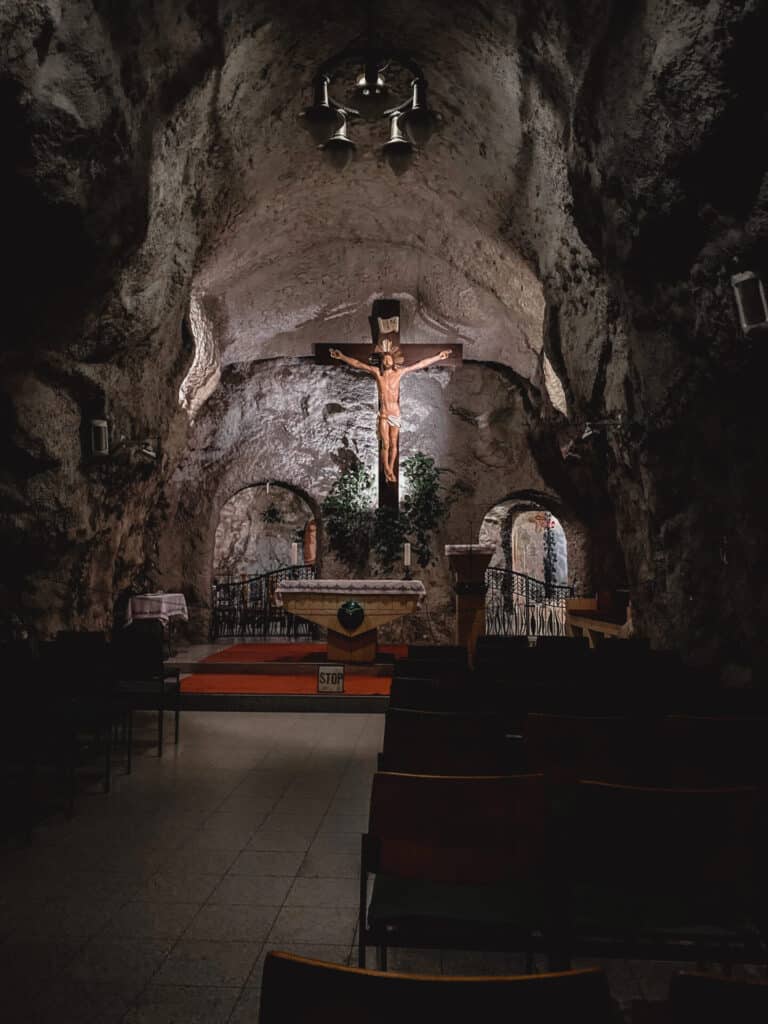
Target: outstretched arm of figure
423,363
354,363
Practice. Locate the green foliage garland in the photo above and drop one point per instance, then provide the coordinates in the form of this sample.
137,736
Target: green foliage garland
355,529
390,531
424,508
347,514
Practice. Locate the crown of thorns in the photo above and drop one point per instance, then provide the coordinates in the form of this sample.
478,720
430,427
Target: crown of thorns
385,346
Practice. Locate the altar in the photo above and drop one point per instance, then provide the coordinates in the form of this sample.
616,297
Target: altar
351,610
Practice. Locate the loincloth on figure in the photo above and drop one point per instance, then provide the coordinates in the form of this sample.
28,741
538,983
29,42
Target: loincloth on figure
393,421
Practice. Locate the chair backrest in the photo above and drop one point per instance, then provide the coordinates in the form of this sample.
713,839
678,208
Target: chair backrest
139,650
565,645
500,654
445,743
571,747
82,658
718,750
690,837
457,828
425,668
295,990
441,694
452,653
713,999
561,660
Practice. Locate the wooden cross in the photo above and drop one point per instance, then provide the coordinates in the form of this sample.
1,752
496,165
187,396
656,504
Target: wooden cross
386,314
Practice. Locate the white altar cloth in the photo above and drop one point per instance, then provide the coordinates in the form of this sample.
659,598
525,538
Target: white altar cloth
157,606
353,588
469,549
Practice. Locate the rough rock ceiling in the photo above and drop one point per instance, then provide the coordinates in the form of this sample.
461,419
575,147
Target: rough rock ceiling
307,242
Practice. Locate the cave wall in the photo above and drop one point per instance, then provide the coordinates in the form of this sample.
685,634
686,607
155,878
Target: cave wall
300,425
109,134
666,162
256,529
616,150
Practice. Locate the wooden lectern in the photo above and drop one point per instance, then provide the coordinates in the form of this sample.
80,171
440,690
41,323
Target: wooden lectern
468,563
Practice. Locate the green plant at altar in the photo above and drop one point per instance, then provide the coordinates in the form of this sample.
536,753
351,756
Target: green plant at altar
354,528
348,516
424,507
390,531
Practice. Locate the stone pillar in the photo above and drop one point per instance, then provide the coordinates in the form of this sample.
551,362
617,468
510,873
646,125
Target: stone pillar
468,563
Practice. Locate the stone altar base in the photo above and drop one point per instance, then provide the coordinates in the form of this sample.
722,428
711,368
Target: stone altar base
360,648
351,610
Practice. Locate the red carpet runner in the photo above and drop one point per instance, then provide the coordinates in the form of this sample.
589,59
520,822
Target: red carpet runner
288,652
233,682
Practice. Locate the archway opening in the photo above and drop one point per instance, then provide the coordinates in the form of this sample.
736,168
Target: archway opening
528,540
527,582
263,528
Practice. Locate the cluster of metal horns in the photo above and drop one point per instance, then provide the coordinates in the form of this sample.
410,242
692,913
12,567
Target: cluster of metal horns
326,110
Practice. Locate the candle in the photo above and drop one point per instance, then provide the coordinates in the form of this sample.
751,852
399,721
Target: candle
406,554
294,553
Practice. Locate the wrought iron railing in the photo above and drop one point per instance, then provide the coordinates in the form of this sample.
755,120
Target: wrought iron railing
519,605
246,606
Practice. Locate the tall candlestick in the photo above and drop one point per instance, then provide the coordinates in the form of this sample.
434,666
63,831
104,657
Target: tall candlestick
406,554
294,553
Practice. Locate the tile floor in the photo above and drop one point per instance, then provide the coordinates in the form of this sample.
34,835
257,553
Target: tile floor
156,903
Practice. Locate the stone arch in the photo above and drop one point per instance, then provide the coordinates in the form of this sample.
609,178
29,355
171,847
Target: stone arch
267,493
257,526
500,521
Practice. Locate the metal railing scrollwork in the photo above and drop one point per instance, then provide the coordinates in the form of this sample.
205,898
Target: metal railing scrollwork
519,605
246,606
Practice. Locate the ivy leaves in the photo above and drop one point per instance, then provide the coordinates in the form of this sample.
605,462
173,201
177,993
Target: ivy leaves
347,516
355,528
424,508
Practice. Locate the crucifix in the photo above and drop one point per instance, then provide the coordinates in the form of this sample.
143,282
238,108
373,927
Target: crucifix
386,362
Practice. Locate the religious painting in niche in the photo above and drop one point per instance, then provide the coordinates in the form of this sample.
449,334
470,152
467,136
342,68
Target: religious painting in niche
529,541
539,547
257,528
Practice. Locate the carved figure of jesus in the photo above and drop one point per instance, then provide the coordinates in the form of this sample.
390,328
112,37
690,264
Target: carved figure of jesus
388,376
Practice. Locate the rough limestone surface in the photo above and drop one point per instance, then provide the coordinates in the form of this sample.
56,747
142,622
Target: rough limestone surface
517,535
592,172
300,425
256,530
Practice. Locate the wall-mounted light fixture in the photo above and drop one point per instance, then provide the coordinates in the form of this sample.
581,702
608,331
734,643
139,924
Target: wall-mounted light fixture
592,427
749,292
147,447
99,438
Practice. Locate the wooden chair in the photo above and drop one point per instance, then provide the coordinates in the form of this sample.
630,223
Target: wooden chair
440,694
426,668
82,659
665,874
570,747
712,999
712,750
448,743
454,654
295,990
562,661
142,680
38,750
500,655
460,863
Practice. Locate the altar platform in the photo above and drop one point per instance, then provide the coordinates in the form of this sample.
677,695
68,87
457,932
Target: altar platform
281,675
